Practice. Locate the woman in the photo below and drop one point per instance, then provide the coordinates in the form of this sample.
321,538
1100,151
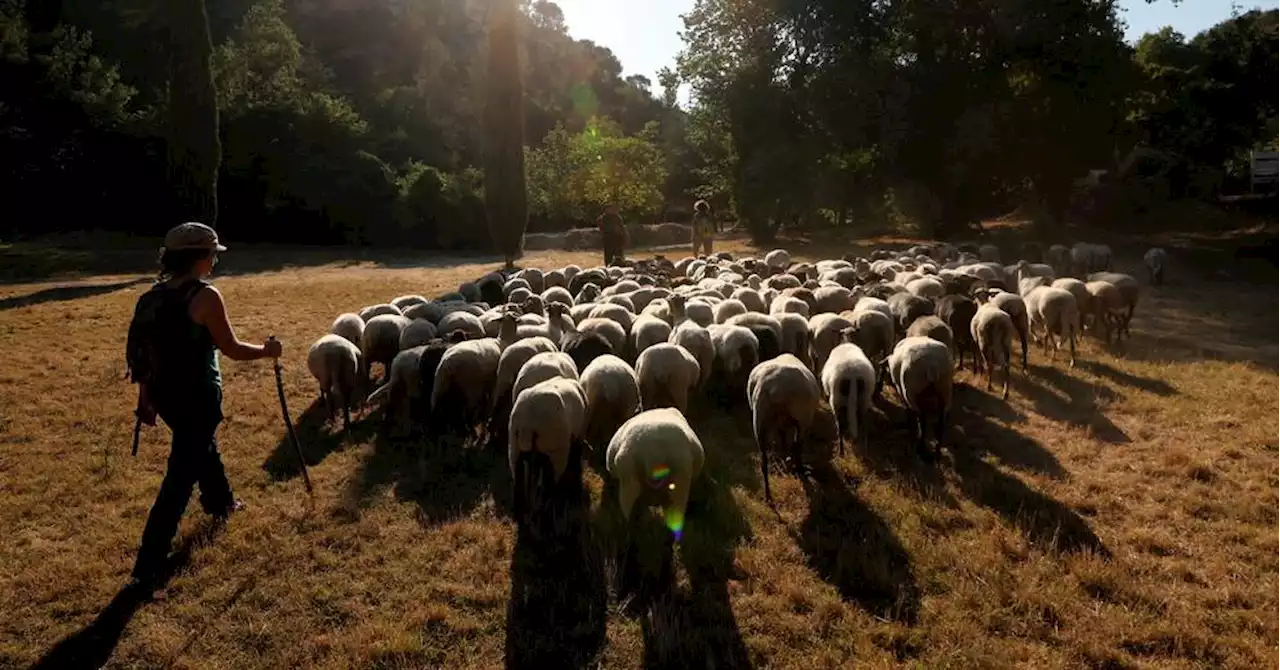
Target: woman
613,234
185,321
703,227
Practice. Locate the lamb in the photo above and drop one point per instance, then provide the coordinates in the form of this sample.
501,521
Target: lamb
957,312
1156,259
922,371
544,366
381,342
349,326
647,331
463,382
416,334
544,444
667,374
993,331
613,396
932,326
784,397
335,362
378,310
848,380
653,460
1055,310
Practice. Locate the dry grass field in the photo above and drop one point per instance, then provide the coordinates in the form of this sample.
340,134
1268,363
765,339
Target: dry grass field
1122,514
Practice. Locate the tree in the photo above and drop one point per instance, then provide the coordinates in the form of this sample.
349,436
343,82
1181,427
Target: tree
194,149
505,198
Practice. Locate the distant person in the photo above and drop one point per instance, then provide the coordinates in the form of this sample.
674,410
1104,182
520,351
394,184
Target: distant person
704,227
177,330
613,234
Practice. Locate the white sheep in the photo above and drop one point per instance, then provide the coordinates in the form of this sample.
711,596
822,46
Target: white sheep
1109,306
380,341
697,341
1016,308
1054,310
784,397
750,298
1129,289
335,362
647,331
464,321
544,366
992,330
403,387
406,301
849,379
378,310
510,362
417,333
607,328
824,335
618,313
737,353
349,326
778,258
1156,259
464,380
613,396
667,374
730,308
922,371
547,420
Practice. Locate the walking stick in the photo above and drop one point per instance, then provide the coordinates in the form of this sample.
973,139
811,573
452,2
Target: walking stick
293,437
137,430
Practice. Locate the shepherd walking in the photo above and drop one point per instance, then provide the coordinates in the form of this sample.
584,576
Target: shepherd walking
178,328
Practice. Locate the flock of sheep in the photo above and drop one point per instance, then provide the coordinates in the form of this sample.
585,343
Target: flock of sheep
557,364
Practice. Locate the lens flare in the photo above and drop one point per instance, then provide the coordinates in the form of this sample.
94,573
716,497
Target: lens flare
660,472
675,522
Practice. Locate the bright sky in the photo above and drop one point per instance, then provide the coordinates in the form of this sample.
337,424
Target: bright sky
643,34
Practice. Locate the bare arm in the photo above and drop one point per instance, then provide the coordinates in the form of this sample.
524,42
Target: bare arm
208,310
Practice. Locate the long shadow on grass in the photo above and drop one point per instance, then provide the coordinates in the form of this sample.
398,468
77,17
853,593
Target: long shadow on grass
851,547
1079,408
318,436
696,628
890,453
92,646
1156,386
73,292
444,480
973,429
1046,522
557,611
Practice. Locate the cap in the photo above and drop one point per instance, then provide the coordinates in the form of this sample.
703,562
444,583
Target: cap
192,235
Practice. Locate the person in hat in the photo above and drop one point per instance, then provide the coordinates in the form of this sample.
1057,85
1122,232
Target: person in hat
179,327
613,234
703,225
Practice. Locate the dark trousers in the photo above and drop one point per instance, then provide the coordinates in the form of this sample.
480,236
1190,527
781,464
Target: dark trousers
193,459
612,248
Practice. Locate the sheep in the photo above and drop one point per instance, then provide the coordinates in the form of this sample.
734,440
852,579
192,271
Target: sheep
403,386
1129,290
510,362
926,287
1087,258
380,341
647,331
653,460
1013,305
750,298
543,366
700,312
932,326
751,319
535,279
784,398
586,347
555,327
406,301
1024,269
613,396
824,335
906,308
557,294
349,326
992,329
697,341
463,382
417,333
378,310
728,309
470,291
1055,310
1077,289
1059,258
618,313
335,362
589,294
778,259
544,445
1108,306
957,312
667,373
873,333
832,299
848,380
922,371
795,335
464,321
1156,259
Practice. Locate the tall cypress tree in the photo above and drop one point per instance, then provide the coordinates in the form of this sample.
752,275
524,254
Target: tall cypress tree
505,198
194,149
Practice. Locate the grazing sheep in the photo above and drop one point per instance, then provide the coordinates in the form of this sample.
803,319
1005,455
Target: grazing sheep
697,341
957,312
1129,289
378,310
1109,308
992,329
824,335
922,371
403,388
784,397
349,326
510,362
647,331
463,382
1013,305
380,342
416,334
543,366
1055,310
873,333
584,348
667,374
544,445
335,362
932,326
613,396
848,380
1156,259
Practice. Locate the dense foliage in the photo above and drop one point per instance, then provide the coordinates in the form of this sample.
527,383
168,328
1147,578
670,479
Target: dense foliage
365,122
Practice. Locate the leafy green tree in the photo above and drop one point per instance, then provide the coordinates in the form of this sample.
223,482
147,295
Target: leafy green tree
506,200
194,148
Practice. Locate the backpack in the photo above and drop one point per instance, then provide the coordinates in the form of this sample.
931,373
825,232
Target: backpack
144,359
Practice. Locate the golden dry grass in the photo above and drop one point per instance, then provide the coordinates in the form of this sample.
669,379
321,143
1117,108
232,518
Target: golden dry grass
1121,514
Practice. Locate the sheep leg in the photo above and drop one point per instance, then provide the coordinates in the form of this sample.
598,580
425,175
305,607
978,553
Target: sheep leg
1071,342
761,434
862,431
346,418
1022,336
938,431
920,430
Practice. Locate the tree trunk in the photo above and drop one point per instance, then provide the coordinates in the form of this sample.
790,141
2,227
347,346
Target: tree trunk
194,149
505,198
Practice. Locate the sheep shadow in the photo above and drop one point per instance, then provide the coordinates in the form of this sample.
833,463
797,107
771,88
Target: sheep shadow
443,480
556,615
72,292
92,646
1156,386
890,453
1046,522
695,627
1079,408
318,436
971,418
853,549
